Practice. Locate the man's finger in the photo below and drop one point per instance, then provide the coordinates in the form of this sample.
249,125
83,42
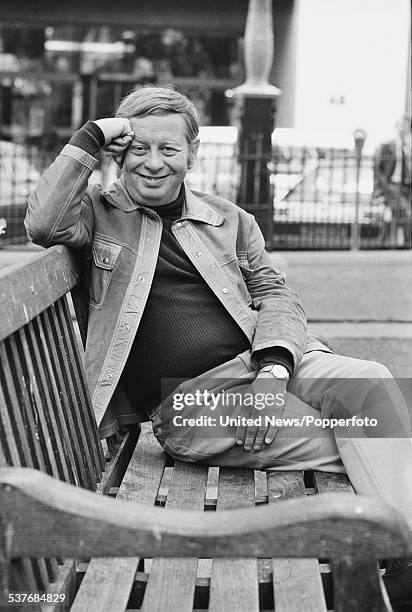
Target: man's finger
260,436
116,148
240,434
270,435
122,139
250,438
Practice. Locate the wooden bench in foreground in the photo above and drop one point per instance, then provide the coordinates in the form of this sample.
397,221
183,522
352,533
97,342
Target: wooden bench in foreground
178,536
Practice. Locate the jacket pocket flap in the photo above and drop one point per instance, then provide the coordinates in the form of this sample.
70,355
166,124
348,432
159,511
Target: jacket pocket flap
105,255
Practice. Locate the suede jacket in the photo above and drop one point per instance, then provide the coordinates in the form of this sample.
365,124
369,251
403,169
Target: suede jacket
120,239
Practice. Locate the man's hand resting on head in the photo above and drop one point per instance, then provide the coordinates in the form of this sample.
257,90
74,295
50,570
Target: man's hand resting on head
270,398
118,135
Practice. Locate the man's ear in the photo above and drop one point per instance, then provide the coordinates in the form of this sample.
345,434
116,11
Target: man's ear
193,149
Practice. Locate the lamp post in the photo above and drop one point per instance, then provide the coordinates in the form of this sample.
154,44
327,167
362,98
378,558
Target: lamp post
359,137
254,106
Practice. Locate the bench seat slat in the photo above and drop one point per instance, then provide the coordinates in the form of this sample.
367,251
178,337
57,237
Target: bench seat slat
234,582
326,482
171,583
297,583
108,582
64,584
143,476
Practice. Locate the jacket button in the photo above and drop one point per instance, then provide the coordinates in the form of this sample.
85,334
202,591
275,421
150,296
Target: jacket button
149,240
198,254
110,376
141,279
225,290
125,327
105,260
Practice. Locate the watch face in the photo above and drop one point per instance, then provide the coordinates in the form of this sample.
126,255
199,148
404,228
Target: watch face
280,372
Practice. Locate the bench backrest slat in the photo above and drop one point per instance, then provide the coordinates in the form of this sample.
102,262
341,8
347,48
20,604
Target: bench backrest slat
76,402
84,402
66,457
68,426
22,446
36,396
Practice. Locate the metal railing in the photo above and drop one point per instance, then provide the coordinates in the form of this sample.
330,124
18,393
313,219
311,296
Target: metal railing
319,198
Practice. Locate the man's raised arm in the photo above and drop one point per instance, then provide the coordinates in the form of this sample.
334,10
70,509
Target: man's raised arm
60,210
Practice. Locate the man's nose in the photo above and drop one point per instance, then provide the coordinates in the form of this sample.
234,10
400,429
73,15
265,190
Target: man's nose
154,161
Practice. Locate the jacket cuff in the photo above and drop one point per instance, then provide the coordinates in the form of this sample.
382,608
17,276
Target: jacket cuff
90,138
273,355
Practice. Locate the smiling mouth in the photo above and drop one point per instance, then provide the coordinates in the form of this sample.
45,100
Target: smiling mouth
153,179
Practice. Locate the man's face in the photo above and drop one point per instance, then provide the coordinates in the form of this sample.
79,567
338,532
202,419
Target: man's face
158,158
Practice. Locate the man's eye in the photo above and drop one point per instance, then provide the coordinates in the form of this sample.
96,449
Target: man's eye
137,150
169,150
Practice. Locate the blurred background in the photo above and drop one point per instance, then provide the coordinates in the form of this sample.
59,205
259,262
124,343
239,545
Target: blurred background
342,69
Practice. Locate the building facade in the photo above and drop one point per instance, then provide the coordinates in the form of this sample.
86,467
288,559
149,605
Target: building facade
62,63
341,64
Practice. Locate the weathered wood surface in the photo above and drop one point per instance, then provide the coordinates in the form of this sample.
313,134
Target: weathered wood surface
44,426
118,464
171,584
326,482
234,582
28,288
357,586
329,525
108,582
349,593
87,418
297,583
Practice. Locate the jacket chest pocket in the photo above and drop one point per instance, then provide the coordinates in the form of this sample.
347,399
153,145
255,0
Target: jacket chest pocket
104,260
238,271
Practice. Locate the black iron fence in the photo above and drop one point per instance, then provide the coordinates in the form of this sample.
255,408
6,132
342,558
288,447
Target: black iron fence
319,198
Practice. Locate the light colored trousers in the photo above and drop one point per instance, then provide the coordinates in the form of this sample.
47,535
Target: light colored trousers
322,386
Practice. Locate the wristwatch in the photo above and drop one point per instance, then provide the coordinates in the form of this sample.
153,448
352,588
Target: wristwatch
278,371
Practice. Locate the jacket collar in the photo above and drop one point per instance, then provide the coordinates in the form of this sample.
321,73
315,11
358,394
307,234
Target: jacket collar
194,207
197,209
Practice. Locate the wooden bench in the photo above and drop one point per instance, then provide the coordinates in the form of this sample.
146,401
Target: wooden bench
266,542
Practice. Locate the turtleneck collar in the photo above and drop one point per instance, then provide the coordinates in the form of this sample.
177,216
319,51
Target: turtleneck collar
172,209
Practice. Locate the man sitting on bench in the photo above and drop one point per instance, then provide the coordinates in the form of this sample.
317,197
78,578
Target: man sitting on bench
180,287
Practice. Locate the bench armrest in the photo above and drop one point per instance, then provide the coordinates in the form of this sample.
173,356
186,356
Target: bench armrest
43,517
